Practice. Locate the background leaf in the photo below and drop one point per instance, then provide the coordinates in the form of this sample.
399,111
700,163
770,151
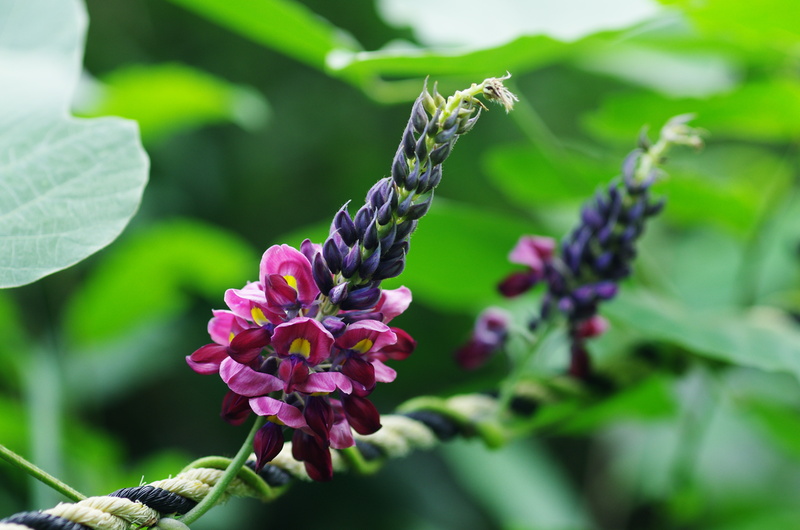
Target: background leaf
67,187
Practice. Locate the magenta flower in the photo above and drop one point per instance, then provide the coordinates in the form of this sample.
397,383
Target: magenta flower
284,350
488,337
534,252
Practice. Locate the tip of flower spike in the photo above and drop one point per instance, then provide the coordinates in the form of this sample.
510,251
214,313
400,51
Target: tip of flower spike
494,90
677,131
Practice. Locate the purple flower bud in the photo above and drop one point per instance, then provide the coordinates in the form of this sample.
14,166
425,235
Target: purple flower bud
635,212
362,298
602,262
345,226
318,415
379,193
450,122
314,453
419,209
465,126
364,217
309,249
370,238
605,290
338,293
335,325
333,258
361,414
404,229
592,217
351,262
322,274
399,168
566,305
388,239
399,250
629,165
408,144
583,295
390,268
402,208
419,118
435,178
441,153
413,179
267,444
447,134
421,148
629,235
384,215
370,264
235,408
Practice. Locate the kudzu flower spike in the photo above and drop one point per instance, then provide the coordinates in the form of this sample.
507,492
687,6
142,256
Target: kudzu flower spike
598,253
306,344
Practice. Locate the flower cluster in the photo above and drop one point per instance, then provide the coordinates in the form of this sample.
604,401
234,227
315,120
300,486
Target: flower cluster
306,344
598,253
282,361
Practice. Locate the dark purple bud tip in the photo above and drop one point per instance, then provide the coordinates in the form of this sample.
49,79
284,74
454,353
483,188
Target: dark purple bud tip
364,216
606,290
351,262
338,293
333,258
390,268
399,168
362,298
315,454
517,283
419,209
267,444
345,226
235,408
370,264
419,118
335,325
370,239
441,153
323,276
361,414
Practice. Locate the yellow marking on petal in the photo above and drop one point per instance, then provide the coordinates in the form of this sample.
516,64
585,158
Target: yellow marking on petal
275,419
230,337
258,316
301,346
363,346
291,280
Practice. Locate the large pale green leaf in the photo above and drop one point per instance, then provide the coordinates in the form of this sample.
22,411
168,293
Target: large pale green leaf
168,98
172,260
764,338
67,187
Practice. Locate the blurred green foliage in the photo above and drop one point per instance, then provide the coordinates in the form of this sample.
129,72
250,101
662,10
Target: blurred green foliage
702,430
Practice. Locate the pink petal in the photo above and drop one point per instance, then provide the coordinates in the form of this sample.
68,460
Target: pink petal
393,302
326,382
383,374
207,359
247,382
320,339
341,435
288,261
287,414
533,251
377,333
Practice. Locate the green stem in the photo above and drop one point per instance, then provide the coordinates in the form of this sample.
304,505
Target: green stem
39,474
222,484
520,365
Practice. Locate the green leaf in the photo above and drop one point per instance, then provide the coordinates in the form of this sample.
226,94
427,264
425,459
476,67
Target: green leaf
168,98
747,113
284,25
67,187
765,338
152,275
529,176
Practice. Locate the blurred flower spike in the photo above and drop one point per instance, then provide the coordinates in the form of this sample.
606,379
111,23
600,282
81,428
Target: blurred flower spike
306,344
597,254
